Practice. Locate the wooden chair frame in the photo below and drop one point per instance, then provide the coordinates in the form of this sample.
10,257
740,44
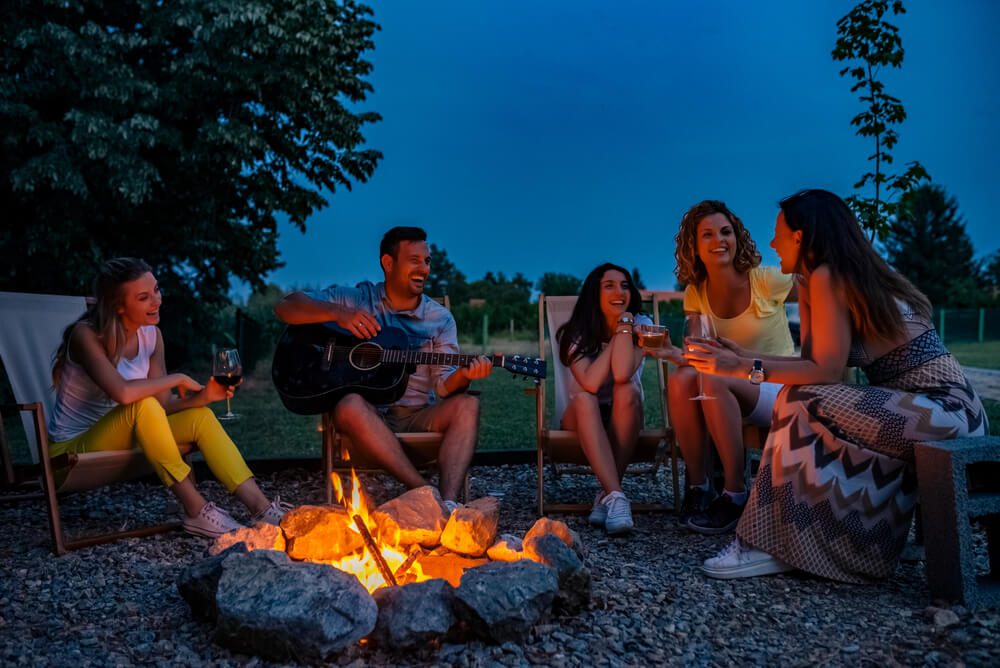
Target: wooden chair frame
70,473
553,445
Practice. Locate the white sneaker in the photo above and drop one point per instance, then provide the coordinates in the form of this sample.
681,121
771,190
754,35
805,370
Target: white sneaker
273,513
738,560
211,522
619,517
599,513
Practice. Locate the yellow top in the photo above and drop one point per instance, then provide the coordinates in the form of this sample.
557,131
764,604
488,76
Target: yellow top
763,326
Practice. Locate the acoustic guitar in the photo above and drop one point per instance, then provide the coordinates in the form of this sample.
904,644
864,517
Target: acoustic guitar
318,364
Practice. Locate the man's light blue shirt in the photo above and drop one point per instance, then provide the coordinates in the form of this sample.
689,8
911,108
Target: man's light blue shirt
430,327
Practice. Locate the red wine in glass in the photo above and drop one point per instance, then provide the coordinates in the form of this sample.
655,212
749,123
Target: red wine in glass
227,370
228,380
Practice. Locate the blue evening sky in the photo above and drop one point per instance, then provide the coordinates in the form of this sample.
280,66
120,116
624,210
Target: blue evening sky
552,136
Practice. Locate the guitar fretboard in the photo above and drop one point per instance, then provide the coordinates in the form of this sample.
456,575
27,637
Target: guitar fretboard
423,357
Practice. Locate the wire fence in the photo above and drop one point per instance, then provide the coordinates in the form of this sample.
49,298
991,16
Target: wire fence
968,324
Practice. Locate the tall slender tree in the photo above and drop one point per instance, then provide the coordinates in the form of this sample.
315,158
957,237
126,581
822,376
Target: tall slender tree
869,43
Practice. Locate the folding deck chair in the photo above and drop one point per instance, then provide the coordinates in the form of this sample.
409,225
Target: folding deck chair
559,448
31,333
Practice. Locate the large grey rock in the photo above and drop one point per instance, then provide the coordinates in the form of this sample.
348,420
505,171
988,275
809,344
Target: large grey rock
415,517
544,525
472,528
503,601
319,533
199,581
280,609
507,548
574,577
414,615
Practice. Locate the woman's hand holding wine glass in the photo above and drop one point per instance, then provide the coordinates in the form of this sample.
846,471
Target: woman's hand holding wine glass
698,326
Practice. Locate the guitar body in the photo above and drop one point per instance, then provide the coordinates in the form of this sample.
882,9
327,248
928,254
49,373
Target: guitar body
316,365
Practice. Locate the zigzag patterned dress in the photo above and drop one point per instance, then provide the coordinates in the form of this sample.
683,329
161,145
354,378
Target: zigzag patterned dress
836,488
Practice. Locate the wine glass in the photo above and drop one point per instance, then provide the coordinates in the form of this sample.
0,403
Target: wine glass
228,372
700,326
652,337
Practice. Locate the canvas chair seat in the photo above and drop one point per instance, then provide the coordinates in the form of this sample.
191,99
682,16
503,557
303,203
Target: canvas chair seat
32,331
560,449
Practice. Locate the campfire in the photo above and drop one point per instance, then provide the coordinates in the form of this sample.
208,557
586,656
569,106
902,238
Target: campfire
406,574
380,563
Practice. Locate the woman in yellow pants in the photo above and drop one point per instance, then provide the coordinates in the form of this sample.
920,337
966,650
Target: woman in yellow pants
113,393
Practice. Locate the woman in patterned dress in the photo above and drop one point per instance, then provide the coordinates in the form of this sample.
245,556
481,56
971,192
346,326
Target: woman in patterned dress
836,488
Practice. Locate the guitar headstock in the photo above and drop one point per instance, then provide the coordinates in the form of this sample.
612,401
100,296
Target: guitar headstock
523,366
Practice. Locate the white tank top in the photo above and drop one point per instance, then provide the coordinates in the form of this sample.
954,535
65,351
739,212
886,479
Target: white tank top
80,402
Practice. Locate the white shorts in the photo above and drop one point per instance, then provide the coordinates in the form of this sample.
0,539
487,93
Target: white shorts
761,413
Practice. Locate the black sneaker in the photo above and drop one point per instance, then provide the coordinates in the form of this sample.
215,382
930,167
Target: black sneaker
721,516
696,501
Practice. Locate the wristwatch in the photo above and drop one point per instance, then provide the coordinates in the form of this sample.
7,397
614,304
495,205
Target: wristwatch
756,375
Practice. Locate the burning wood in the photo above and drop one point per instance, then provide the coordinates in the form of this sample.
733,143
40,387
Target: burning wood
415,552
373,550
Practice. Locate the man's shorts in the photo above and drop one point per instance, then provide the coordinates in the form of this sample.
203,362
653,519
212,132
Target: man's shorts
403,418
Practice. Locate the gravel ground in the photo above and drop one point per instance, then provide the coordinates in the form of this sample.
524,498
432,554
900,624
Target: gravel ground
117,604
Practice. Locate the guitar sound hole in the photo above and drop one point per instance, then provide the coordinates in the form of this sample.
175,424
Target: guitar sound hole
365,356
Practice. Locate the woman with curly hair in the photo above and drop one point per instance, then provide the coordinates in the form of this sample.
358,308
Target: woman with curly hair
720,265
836,488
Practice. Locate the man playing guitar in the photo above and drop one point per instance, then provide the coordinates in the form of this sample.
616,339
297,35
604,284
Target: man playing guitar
435,397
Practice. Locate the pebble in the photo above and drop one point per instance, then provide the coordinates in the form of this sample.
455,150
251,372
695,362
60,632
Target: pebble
117,604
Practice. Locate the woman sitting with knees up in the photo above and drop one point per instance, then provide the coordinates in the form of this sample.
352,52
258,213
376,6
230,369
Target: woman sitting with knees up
836,488
598,346
113,393
720,265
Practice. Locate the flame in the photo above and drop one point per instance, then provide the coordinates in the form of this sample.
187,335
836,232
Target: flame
360,563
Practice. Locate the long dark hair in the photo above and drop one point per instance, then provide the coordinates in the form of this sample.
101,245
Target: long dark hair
690,270
831,235
586,326
102,315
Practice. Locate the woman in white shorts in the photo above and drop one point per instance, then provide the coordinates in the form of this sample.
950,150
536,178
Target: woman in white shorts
720,265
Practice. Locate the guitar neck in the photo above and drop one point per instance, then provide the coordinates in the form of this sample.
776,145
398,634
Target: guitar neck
424,357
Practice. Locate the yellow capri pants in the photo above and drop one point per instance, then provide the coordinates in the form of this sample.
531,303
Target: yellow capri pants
146,425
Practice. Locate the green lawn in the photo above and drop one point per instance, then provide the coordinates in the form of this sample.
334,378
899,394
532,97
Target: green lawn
268,431
985,355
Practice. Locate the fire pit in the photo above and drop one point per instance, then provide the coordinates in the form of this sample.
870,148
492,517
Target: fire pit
404,574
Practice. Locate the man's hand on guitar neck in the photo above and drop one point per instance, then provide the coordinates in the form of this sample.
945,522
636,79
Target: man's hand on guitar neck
480,368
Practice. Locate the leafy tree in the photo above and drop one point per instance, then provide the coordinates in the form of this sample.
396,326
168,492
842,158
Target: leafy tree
637,279
869,43
178,131
929,245
991,272
445,278
554,283
505,298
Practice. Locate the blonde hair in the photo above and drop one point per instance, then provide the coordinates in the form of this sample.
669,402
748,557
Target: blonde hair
690,270
102,315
